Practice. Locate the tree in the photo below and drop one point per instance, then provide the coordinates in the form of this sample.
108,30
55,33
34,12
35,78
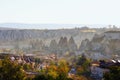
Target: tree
84,64
81,60
62,70
114,73
41,77
11,71
27,67
55,72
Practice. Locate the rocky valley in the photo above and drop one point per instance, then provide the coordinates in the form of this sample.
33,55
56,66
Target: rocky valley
96,43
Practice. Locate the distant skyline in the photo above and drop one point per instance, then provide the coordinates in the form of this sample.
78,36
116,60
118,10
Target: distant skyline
91,12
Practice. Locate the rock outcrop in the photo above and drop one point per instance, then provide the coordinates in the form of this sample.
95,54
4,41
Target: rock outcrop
102,46
53,46
72,45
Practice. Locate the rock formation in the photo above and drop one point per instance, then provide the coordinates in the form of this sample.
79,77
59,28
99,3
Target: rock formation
103,46
53,46
63,44
72,45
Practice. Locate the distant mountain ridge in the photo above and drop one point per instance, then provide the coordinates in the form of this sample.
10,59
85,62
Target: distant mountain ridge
14,33
5,28
47,26
23,34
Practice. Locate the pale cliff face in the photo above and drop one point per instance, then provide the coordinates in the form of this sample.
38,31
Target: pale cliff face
103,45
112,35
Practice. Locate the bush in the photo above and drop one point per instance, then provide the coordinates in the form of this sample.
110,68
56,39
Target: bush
11,71
114,73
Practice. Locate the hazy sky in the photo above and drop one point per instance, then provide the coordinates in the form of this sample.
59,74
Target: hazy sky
60,11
